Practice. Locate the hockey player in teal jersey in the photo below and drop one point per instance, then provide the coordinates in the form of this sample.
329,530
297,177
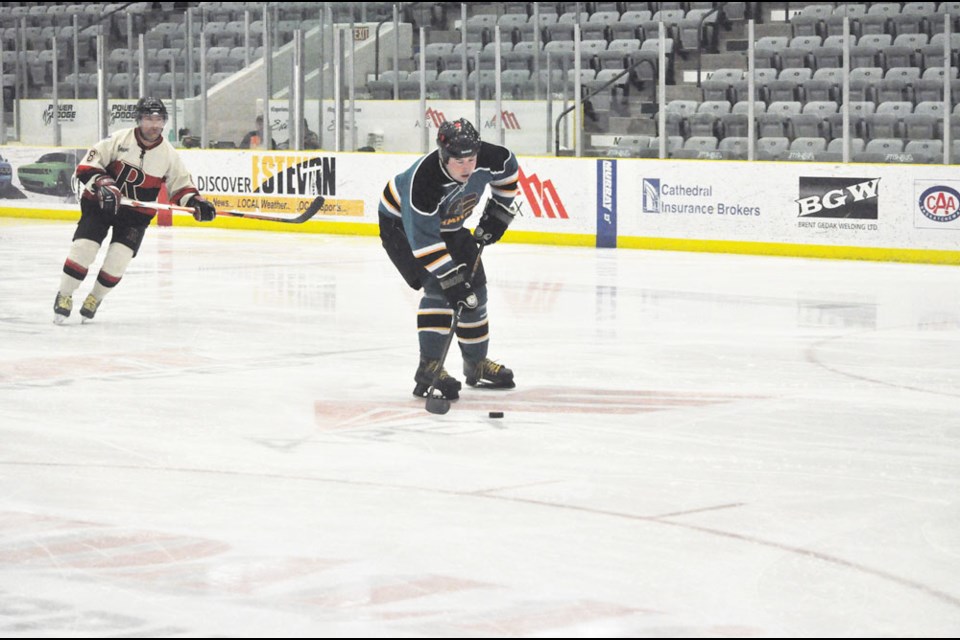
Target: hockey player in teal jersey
422,216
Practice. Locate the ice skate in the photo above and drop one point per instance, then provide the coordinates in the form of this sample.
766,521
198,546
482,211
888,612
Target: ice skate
489,374
89,308
447,385
62,306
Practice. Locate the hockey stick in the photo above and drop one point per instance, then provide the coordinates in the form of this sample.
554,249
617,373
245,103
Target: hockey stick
438,404
310,211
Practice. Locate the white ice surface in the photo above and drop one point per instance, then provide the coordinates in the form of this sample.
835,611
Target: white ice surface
698,445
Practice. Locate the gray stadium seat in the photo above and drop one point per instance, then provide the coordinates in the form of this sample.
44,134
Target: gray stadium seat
617,54
734,124
772,125
744,106
703,124
805,149
674,143
819,91
884,145
919,126
882,126
930,107
785,90
806,125
772,148
929,147
734,147
630,25
857,145
701,143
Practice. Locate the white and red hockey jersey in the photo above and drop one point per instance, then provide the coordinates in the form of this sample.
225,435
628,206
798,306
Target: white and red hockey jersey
138,168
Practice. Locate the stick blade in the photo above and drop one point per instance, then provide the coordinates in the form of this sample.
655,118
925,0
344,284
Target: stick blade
438,405
314,208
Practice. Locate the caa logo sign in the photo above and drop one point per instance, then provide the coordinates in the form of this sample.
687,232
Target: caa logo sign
940,203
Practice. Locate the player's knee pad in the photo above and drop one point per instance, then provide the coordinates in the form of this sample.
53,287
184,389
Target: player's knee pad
117,258
129,236
394,241
83,252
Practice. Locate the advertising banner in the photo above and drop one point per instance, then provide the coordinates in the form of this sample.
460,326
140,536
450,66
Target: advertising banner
78,120
552,196
607,203
937,205
38,177
854,205
885,211
287,182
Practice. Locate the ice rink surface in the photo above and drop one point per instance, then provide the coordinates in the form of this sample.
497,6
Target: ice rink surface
698,445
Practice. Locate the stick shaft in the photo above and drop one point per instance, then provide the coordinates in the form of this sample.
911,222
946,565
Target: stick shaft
453,329
310,211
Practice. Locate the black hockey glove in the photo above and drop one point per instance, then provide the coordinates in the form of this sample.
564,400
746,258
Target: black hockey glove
493,223
203,211
456,288
108,195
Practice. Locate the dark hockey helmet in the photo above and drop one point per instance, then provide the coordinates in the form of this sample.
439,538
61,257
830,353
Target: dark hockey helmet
457,139
150,106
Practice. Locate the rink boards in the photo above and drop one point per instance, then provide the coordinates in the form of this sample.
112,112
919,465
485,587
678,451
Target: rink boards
881,212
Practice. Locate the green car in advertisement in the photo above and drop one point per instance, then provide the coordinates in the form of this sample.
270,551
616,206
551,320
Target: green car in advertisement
6,174
51,173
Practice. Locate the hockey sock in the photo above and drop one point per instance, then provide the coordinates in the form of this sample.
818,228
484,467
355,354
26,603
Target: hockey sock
473,334
114,266
82,254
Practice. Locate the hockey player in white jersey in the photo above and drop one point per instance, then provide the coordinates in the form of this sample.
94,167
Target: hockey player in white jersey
131,163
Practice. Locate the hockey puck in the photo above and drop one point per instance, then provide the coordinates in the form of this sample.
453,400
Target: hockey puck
495,414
